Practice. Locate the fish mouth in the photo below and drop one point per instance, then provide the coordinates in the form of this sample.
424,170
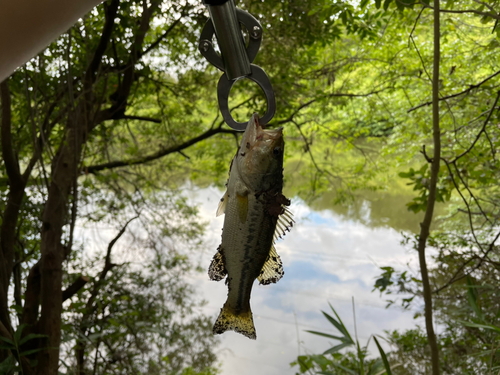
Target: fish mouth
261,133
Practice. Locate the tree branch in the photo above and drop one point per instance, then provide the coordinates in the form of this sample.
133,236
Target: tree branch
117,110
110,12
141,118
473,11
159,154
332,95
161,38
71,290
466,91
11,164
483,128
431,200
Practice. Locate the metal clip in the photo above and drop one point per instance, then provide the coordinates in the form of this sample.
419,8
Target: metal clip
236,58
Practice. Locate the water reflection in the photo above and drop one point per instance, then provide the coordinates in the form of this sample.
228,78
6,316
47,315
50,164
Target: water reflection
332,254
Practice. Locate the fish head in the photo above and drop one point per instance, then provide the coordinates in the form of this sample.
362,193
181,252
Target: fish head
260,157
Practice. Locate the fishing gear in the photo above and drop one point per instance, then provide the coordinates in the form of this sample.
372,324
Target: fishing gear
235,59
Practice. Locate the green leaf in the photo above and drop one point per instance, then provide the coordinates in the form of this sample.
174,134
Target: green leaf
19,332
485,326
472,298
31,336
28,352
338,347
339,325
8,365
326,335
349,371
384,357
8,341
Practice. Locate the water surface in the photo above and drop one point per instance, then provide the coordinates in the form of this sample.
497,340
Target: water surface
331,255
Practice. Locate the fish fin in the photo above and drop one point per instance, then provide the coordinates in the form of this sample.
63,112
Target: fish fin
228,320
217,270
272,271
242,207
284,224
222,205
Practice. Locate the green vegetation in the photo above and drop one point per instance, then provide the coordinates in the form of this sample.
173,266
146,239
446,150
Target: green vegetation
332,362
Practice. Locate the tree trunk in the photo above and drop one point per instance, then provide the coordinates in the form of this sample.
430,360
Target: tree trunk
426,224
65,167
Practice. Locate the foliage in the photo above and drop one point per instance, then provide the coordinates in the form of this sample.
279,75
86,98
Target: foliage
334,362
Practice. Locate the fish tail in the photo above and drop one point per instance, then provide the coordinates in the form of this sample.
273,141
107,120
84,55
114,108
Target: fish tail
230,320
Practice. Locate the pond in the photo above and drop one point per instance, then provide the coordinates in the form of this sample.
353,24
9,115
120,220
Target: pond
331,255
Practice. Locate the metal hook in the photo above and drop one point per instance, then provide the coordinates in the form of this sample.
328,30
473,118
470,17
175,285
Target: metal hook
224,88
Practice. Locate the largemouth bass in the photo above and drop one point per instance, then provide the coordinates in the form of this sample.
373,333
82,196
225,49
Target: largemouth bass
256,215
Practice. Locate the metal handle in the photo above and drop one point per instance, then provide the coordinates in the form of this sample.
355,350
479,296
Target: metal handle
252,25
230,39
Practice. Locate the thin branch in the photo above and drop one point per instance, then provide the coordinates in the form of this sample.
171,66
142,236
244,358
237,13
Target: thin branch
473,11
463,199
112,243
161,38
482,259
332,95
157,155
470,193
466,91
415,24
140,118
483,128
421,59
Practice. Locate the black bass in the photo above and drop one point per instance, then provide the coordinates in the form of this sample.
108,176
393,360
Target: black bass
256,215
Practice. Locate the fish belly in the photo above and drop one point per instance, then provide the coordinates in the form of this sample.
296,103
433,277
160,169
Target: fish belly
246,248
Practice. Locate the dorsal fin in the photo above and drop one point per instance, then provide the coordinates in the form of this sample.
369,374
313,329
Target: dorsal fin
221,209
272,271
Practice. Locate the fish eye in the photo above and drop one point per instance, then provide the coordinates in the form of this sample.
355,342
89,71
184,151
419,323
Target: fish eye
276,150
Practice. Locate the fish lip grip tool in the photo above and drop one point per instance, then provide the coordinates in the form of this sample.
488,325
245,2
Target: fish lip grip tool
235,59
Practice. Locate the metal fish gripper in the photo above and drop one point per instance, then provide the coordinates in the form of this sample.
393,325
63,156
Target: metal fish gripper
235,59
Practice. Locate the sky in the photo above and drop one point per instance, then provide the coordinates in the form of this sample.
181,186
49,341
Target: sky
327,259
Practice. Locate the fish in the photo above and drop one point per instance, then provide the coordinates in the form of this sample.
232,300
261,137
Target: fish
256,215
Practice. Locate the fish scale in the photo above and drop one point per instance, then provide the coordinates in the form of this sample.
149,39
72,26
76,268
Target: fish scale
252,204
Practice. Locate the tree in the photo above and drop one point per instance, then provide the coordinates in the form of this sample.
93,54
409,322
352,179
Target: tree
62,114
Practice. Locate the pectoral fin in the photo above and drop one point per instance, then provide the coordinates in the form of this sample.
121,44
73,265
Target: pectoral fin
242,206
222,205
272,271
217,270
